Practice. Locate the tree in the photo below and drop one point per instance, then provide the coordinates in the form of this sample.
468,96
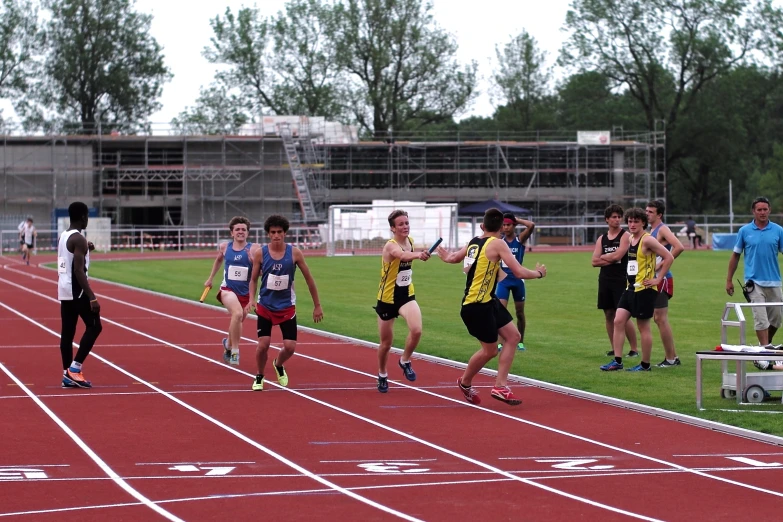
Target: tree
216,112
19,42
283,64
101,65
522,80
586,102
667,52
402,64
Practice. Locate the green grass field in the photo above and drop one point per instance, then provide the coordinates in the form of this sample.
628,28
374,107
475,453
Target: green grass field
565,337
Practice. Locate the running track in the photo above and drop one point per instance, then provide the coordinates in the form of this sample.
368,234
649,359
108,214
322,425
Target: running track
170,433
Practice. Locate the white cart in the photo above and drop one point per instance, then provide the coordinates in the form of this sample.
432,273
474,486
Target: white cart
757,385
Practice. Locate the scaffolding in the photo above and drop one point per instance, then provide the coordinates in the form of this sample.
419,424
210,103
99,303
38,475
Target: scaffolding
161,178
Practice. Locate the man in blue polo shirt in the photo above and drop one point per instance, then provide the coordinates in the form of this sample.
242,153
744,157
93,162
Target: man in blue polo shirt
761,241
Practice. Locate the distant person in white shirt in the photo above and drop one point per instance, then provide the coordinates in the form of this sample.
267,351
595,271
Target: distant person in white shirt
27,235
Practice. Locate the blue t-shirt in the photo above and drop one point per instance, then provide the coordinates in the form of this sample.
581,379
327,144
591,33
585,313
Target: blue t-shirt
518,249
761,246
237,269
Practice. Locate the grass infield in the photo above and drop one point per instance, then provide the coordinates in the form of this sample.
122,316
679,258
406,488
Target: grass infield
565,338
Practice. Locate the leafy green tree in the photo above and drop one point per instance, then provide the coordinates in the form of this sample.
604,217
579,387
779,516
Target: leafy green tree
586,102
283,64
666,51
19,42
522,82
101,66
402,65
216,112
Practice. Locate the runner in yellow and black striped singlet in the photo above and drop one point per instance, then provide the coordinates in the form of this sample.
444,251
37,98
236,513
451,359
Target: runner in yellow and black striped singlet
641,291
396,285
396,297
482,273
485,318
641,266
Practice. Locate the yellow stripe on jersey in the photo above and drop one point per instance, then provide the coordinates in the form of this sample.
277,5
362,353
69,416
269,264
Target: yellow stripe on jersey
389,287
483,273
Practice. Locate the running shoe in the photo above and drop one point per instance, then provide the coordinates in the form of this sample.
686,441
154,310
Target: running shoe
639,368
470,393
612,367
383,384
282,377
503,393
520,347
226,351
234,358
77,378
407,370
258,383
68,383
666,364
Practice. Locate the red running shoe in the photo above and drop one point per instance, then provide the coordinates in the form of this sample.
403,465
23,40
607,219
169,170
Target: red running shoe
470,393
503,393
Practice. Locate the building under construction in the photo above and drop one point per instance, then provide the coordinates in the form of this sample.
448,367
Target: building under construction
299,166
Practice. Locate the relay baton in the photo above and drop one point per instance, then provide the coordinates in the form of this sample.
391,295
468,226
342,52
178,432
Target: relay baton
204,294
434,246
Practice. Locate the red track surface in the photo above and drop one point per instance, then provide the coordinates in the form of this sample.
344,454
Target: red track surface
184,431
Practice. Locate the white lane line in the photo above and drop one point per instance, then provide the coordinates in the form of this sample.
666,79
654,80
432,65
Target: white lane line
90,453
730,455
327,405
208,418
419,390
190,462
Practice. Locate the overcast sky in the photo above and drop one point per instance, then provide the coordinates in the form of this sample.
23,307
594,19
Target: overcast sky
478,26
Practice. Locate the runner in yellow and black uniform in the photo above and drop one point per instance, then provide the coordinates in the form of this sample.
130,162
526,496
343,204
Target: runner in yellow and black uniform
396,286
481,311
641,291
396,297
483,315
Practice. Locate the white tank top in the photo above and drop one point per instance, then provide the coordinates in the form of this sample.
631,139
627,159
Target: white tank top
68,287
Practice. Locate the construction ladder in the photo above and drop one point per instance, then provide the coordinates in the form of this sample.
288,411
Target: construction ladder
298,174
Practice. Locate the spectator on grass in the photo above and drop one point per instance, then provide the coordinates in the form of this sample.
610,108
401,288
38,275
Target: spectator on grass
396,297
611,254
690,230
666,237
640,295
761,241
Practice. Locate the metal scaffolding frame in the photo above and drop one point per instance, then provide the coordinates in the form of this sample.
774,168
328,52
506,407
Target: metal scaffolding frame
207,179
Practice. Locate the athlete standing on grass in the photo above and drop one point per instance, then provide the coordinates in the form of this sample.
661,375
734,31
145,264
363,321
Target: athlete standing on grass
276,263
611,254
235,290
76,297
481,311
666,237
511,284
641,292
396,297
